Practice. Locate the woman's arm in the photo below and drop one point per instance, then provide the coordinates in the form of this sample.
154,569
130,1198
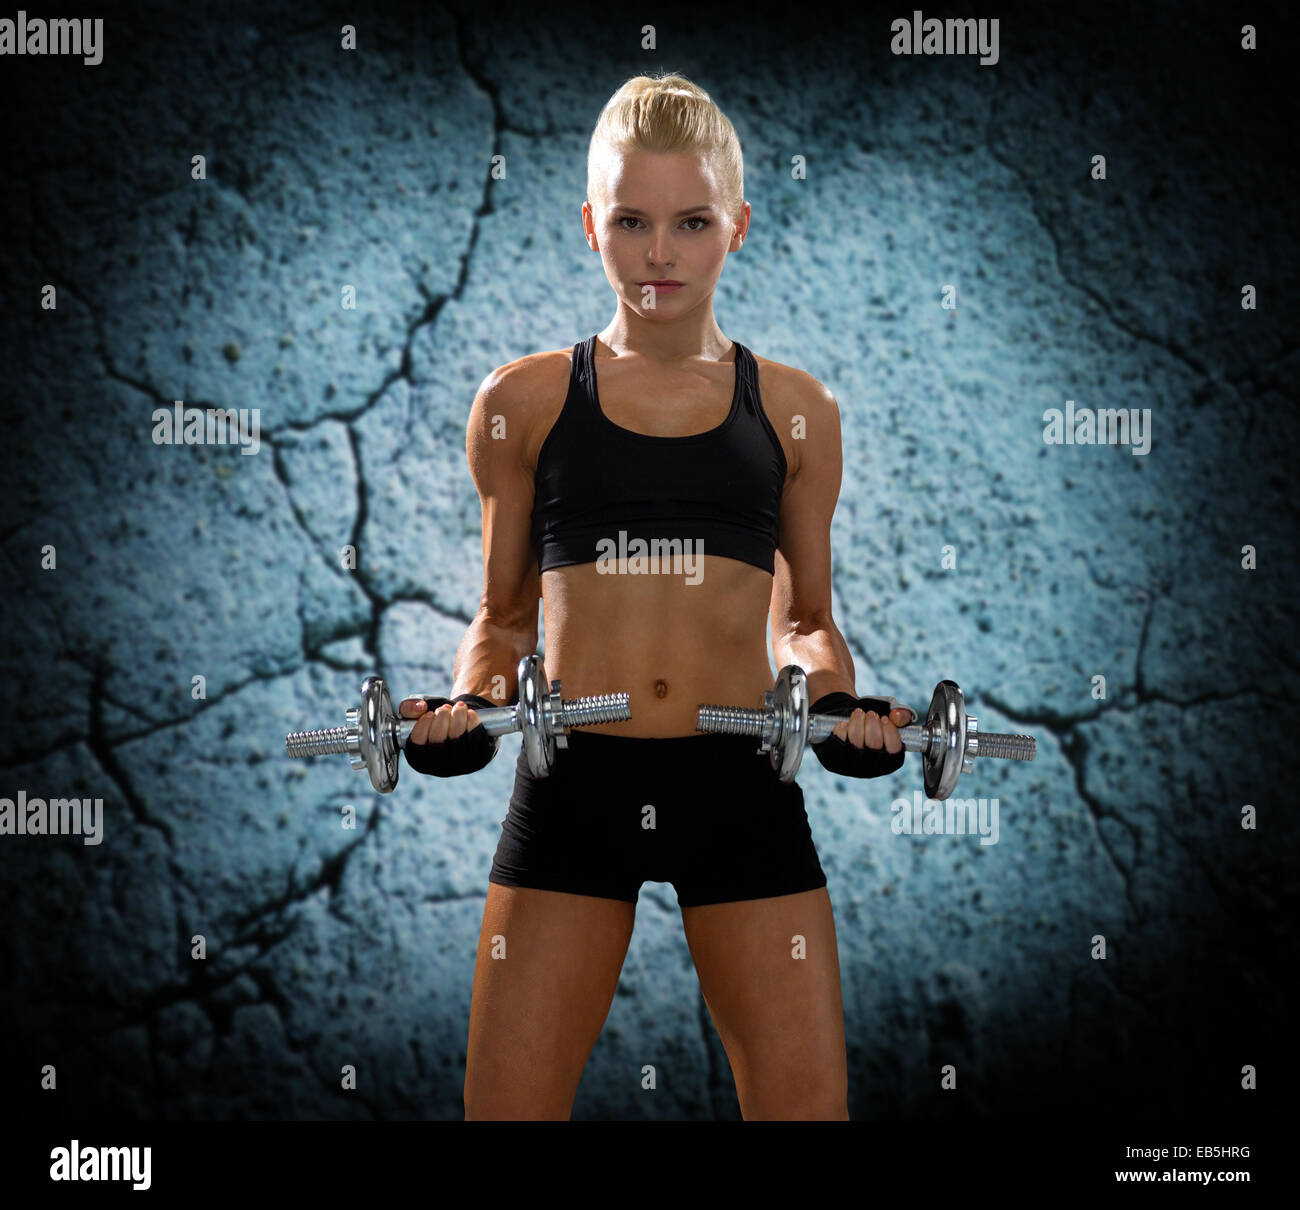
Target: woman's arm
504,629
803,631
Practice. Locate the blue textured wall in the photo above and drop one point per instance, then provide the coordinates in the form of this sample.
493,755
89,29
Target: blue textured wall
372,168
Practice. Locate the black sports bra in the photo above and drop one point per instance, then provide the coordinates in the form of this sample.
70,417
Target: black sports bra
599,486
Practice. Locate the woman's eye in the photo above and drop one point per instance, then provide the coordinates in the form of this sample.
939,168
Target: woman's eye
627,218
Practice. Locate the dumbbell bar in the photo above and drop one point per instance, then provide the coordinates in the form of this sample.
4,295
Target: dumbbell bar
949,740
374,733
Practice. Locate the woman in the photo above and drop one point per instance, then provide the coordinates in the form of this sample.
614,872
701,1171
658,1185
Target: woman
690,437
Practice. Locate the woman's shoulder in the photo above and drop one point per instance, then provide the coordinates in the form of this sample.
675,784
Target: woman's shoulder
531,374
525,396
787,390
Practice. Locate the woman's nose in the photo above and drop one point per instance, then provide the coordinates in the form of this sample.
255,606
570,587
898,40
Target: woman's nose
661,252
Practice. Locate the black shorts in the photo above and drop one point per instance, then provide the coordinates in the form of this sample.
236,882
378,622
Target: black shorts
723,825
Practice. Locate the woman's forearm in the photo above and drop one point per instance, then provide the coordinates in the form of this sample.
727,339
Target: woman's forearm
820,650
487,660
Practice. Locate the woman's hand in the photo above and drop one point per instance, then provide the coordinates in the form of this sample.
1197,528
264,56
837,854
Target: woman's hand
867,729
448,738
437,722
866,743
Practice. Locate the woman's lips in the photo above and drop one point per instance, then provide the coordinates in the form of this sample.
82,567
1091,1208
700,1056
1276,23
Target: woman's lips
663,287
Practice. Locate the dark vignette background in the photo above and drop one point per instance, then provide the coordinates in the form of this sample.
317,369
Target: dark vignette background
330,947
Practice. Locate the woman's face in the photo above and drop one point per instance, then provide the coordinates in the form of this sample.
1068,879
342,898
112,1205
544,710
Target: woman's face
658,218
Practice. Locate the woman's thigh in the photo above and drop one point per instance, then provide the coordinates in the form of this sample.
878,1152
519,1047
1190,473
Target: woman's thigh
770,973
547,967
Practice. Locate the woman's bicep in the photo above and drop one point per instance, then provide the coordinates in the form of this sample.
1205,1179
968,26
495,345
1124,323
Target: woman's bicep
496,447
801,590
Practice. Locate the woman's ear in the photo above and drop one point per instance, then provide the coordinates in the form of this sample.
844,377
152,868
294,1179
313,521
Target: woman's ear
589,226
740,228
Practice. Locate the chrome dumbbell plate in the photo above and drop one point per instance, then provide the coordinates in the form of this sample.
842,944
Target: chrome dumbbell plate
372,735
946,730
789,702
539,715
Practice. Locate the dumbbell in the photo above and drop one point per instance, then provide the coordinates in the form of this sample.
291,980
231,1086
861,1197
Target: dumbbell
374,733
949,740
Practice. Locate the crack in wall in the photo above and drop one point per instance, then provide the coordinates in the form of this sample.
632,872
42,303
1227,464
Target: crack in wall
428,317
107,760
1165,344
329,877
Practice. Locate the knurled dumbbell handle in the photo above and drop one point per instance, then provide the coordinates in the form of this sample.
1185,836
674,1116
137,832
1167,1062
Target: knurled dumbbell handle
375,733
576,712
918,737
325,741
496,720
739,720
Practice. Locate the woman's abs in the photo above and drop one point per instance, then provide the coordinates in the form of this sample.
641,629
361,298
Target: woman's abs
668,642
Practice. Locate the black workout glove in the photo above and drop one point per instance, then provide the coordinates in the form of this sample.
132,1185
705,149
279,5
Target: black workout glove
840,756
466,753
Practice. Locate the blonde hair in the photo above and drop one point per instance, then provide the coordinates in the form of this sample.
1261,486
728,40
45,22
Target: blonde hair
669,113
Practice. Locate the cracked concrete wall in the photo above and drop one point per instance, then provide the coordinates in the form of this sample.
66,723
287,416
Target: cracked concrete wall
374,169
